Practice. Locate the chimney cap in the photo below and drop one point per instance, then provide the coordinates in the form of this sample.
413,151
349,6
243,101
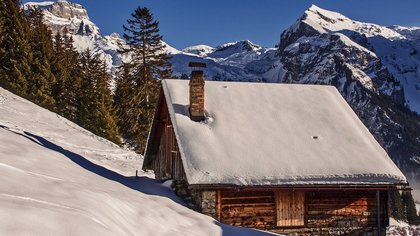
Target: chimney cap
197,64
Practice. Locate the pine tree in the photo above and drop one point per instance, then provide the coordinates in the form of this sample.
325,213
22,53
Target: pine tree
1,29
59,70
86,97
95,99
396,206
106,122
149,63
41,80
127,119
15,56
68,73
53,74
410,208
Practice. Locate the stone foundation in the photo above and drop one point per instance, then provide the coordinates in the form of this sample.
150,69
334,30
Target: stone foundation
205,202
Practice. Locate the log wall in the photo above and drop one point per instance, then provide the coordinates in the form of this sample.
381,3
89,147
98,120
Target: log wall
317,212
248,209
344,209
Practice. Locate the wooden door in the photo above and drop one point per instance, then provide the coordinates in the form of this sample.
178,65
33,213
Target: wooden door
290,208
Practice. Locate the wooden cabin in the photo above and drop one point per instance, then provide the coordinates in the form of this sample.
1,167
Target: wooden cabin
278,157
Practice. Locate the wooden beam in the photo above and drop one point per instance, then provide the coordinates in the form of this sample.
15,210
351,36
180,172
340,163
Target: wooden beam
219,205
378,211
298,188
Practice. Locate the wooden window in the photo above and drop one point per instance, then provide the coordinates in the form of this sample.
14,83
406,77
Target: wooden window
290,208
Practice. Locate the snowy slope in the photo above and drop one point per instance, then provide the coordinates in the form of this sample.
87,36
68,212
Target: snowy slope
59,179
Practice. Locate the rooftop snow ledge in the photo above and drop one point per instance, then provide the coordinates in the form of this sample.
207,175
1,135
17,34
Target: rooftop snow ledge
360,179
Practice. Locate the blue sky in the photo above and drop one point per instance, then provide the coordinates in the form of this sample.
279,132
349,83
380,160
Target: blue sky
213,22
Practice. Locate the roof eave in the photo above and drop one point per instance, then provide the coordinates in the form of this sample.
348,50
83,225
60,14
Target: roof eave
355,186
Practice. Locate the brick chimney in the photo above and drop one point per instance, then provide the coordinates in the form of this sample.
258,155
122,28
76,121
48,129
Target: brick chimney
197,91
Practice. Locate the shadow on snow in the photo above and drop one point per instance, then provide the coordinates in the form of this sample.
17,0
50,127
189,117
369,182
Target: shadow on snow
142,184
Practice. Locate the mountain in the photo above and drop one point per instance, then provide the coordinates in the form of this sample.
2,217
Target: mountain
199,50
395,47
72,18
376,68
236,61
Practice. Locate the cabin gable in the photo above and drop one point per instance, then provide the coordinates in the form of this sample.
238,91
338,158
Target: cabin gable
162,151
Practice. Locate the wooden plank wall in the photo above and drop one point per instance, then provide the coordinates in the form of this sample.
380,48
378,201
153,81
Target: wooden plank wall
343,209
290,207
168,163
298,209
247,208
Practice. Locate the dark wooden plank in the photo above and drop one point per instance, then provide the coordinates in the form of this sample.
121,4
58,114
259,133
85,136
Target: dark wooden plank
219,204
247,209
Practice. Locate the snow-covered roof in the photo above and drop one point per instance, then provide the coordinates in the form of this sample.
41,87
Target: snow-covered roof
275,134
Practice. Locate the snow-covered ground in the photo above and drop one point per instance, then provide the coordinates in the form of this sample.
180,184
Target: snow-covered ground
58,178
398,228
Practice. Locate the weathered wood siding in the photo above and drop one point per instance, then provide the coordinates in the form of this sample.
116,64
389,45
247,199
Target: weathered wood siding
311,211
344,209
290,208
248,209
167,163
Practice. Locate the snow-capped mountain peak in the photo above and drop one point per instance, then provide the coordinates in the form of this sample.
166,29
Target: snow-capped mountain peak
62,15
411,33
71,18
62,9
243,45
200,50
329,21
